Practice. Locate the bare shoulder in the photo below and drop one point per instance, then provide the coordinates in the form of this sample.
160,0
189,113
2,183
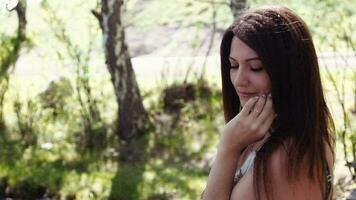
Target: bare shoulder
329,156
279,157
302,187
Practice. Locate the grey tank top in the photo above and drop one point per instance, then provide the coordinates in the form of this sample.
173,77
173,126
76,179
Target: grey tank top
245,167
248,163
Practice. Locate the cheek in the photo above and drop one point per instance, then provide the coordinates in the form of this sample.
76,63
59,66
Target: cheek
263,83
232,77
268,84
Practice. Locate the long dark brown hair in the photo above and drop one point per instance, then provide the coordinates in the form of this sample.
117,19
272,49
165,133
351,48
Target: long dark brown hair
284,44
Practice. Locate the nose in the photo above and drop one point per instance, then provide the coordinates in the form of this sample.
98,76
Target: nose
239,77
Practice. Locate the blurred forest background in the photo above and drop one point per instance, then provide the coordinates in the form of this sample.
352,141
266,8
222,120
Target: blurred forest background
118,99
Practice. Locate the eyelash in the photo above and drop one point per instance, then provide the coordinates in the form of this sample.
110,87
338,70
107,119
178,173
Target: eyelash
252,69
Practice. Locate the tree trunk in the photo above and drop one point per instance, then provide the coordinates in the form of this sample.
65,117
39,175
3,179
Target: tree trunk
131,114
9,58
237,6
133,118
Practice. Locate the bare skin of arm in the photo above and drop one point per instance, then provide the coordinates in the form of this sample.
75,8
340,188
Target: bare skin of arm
249,126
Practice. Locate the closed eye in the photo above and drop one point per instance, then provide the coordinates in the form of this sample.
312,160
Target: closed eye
258,69
234,66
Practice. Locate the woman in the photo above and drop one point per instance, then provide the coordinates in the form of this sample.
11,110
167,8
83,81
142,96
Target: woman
278,140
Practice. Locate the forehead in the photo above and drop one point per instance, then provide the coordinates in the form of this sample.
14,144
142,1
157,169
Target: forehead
240,51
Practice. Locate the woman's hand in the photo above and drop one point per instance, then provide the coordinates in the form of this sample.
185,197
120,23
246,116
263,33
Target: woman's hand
249,126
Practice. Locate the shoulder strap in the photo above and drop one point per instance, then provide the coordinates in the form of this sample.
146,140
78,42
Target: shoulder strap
329,181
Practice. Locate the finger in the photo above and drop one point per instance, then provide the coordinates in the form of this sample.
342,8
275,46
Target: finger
257,109
267,110
267,123
249,105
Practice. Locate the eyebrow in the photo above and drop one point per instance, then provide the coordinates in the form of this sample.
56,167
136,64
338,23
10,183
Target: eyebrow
247,60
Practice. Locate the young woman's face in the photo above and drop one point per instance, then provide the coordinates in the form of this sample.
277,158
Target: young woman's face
247,72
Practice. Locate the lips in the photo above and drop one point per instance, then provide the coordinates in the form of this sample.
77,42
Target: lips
246,94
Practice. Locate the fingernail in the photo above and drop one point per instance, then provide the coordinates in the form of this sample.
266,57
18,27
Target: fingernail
263,95
270,95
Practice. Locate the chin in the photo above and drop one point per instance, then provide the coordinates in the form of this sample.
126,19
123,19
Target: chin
243,100
242,103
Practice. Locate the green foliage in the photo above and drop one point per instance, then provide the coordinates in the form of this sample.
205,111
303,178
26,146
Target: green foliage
125,183
25,180
178,14
52,145
328,20
26,120
57,96
179,145
174,181
55,156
